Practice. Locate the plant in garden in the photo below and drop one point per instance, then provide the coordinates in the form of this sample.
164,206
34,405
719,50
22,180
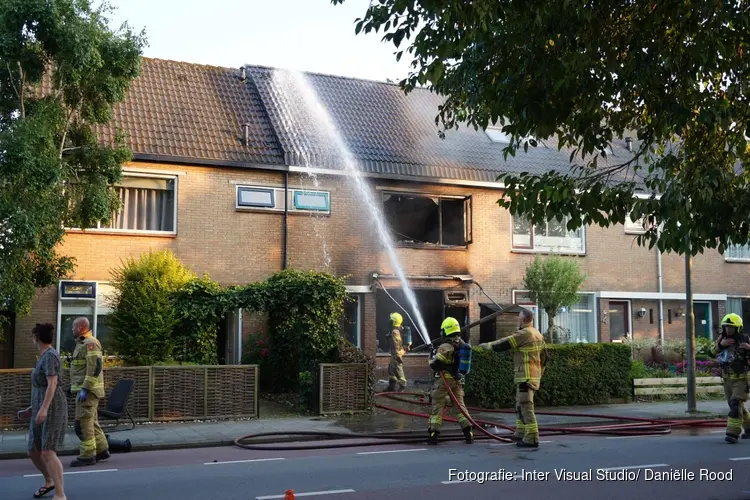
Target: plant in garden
257,352
553,283
144,316
62,68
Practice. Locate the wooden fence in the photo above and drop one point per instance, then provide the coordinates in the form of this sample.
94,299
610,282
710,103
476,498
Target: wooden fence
160,393
342,388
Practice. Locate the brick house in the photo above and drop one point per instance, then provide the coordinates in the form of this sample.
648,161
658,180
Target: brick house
218,178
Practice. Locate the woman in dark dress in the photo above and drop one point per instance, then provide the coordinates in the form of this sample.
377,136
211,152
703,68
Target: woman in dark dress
48,412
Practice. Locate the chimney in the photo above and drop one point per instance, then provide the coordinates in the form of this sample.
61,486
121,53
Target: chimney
243,76
246,134
629,144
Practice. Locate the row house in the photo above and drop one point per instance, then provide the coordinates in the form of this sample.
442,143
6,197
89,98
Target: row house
240,179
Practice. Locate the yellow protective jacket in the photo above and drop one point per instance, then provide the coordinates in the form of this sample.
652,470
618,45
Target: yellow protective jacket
529,355
445,358
86,367
397,344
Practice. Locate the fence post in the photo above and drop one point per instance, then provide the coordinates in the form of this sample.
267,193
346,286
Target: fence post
256,390
151,389
205,392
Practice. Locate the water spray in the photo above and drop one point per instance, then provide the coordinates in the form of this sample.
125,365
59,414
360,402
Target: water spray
313,104
427,339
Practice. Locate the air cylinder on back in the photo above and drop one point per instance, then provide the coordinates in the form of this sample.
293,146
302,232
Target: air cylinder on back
464,359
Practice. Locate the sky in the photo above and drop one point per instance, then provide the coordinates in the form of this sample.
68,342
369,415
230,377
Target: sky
306,35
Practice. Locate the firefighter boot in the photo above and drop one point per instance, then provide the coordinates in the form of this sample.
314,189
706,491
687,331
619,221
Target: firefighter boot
391,386
469,434
433,439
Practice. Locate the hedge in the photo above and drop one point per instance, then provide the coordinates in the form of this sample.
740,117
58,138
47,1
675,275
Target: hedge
576,374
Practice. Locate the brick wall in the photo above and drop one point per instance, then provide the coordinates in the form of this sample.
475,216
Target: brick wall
242,247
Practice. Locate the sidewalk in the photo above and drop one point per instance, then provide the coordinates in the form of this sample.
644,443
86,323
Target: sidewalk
194,435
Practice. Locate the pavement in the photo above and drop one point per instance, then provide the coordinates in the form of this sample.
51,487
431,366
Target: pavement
689,465
161,436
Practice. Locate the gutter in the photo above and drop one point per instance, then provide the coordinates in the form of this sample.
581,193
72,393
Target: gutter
661,302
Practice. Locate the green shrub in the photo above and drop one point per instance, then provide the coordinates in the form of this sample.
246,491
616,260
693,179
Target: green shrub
305,387
256,352
576,374
143,316
638,369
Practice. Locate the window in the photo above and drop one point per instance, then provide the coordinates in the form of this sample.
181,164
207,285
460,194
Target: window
552,236
635,227
496,134
737,253
351,322
148,204
578,322
272,199
83,299
424,220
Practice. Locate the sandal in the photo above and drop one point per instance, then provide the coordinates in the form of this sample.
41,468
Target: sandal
43,491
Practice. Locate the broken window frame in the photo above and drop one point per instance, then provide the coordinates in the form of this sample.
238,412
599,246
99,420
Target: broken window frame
468,215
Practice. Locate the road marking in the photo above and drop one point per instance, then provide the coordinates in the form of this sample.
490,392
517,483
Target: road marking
633,437
514,444
308,494
244,461
739,458
76,472
389,451
722,431
635,467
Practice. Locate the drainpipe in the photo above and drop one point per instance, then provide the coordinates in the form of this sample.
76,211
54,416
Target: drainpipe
661,302
286,216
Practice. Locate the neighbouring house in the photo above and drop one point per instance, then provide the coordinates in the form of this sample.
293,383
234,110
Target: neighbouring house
240,182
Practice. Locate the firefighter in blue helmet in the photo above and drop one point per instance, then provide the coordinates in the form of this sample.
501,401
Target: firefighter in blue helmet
733,348
445,359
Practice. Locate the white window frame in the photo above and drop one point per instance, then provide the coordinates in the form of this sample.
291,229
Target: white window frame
745,248
635,227
279,200
545,250
97,309
138,174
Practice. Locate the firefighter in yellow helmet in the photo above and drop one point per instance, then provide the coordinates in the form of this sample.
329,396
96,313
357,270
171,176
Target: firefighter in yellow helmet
733,348
87,384
529,358
445,359
397,349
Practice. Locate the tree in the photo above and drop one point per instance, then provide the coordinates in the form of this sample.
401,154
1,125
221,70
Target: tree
675,75
61,70
553,283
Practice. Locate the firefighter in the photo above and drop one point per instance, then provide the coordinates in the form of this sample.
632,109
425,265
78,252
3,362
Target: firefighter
445,359
529,358
733,347
87,384
396,366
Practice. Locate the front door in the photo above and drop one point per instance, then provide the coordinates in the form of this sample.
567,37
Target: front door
7,340
702,319
619,320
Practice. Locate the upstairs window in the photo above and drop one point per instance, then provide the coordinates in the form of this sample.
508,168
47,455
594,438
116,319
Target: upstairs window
148,204
740,253
272,199
496,134
635,226
425,220
552,237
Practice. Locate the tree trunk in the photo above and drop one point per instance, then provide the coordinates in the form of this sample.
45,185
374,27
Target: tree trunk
550,326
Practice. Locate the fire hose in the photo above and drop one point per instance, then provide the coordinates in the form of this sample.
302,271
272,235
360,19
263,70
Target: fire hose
635,426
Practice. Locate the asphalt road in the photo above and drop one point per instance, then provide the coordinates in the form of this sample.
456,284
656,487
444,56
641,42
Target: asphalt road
626,468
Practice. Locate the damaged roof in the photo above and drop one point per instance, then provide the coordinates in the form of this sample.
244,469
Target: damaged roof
176,111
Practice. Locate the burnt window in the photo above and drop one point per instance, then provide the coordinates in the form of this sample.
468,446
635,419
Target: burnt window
424,220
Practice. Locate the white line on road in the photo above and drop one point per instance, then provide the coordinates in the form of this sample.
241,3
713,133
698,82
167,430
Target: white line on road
514,444
722,431
308,494
244,461
389,451
635,467
739,458
76,472
633,437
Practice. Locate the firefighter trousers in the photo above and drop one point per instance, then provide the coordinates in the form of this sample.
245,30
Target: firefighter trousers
440,398
736,393
526,426
93,440
396,372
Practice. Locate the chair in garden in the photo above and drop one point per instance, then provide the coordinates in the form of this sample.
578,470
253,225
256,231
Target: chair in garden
117,404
